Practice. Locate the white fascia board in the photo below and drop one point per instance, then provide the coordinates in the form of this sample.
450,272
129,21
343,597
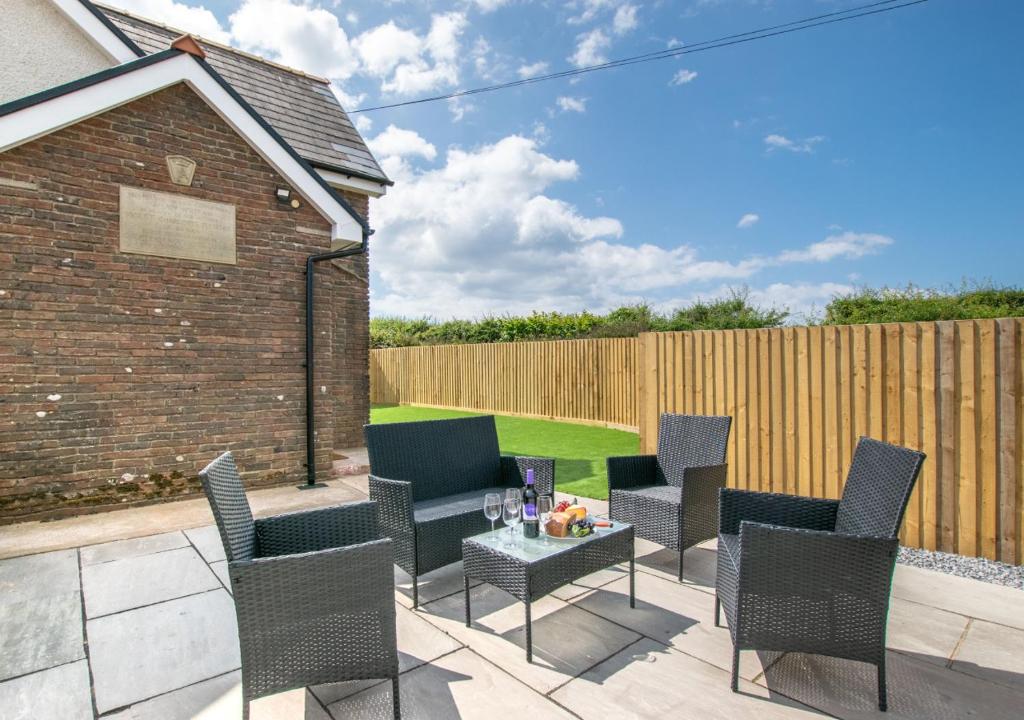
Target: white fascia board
99,33
48,116
355,184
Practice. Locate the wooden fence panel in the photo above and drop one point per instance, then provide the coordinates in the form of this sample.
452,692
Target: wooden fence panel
800,398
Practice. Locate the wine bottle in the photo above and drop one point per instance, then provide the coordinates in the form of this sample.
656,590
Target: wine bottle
531,527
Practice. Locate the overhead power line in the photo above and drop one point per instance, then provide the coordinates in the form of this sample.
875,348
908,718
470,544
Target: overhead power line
808,23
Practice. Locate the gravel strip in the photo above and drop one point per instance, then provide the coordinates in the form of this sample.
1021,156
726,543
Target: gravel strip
988,571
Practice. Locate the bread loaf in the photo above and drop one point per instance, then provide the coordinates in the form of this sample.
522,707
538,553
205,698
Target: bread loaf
558,524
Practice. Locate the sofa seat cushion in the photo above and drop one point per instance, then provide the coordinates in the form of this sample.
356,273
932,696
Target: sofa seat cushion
453,505
662,493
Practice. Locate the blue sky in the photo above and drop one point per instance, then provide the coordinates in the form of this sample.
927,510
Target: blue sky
881,151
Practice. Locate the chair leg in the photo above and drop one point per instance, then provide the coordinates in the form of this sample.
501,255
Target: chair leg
735,669
883,699
396,698
415,592
718,611
681,552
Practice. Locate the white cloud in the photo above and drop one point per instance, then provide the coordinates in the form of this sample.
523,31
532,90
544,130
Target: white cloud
441,44
194,19
459,107
748,220
590,48
673,43
847,245
487,6
781,142
363,123
308,37
537,68
397,142
482,233
384,47
572,104
624,20
590,10
683,76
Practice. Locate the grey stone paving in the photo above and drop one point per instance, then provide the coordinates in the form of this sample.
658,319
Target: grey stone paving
162,645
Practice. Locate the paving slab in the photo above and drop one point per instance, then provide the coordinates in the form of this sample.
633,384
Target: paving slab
419,643
649,680
432,586
38,576
40,633
994,603
924,632
699,566
591,582
566,640
119,585
208,543
917,690
142,653
133,547
459,685
673,614
993,652
220,569
60,693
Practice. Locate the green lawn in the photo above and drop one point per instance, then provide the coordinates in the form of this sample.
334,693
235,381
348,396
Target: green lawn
579,450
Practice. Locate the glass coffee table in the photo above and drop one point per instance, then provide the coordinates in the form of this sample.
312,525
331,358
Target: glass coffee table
535,567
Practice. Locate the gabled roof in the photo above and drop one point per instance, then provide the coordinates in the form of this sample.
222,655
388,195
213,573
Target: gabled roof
29,118
301,107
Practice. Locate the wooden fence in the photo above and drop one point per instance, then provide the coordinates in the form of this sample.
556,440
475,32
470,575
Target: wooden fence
581,380
799,398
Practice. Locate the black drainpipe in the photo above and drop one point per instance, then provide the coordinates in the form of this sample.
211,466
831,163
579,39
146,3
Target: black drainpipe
310,306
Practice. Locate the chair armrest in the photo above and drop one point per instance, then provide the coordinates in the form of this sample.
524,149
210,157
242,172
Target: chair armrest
513,472
632,471
320,529
346,580
782,562
394,503
735,506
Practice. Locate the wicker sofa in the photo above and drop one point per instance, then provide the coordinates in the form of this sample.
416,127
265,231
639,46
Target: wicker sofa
799,574
429,479
672,498
313,591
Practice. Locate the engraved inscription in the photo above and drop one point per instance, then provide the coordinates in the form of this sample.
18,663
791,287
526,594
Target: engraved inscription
169,225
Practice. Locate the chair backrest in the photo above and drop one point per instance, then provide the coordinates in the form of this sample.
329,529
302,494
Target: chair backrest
877,488
690,441
224,490
439,457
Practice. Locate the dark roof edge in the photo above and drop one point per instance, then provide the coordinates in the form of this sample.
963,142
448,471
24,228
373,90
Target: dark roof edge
283,143
382,179
87,81
109,24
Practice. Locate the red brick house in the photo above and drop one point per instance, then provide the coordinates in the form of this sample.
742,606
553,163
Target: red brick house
159,208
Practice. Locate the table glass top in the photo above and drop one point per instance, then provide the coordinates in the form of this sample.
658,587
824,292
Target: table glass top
531,549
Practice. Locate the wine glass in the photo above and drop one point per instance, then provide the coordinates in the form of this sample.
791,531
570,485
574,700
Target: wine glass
511,516
492,507
513,494
545,504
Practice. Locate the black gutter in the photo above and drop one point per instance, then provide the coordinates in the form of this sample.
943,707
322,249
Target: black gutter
311,262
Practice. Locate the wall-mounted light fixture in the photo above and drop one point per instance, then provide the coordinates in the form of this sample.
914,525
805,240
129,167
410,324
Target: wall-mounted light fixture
285,197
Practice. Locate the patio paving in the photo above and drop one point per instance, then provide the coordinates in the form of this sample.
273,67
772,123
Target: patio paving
143,628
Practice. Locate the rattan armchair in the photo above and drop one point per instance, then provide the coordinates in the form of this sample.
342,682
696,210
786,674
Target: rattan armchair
672,498
314,591
799,574
429,479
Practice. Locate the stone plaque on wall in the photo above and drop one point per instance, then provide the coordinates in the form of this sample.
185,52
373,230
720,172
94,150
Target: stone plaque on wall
170,225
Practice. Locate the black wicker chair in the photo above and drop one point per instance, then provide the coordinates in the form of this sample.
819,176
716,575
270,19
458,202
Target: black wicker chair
798,574
314,591
429,480
672,498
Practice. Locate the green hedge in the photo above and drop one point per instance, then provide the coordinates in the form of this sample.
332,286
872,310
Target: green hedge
909,304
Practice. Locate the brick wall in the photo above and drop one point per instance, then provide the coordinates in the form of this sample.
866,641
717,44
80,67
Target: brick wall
122,375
